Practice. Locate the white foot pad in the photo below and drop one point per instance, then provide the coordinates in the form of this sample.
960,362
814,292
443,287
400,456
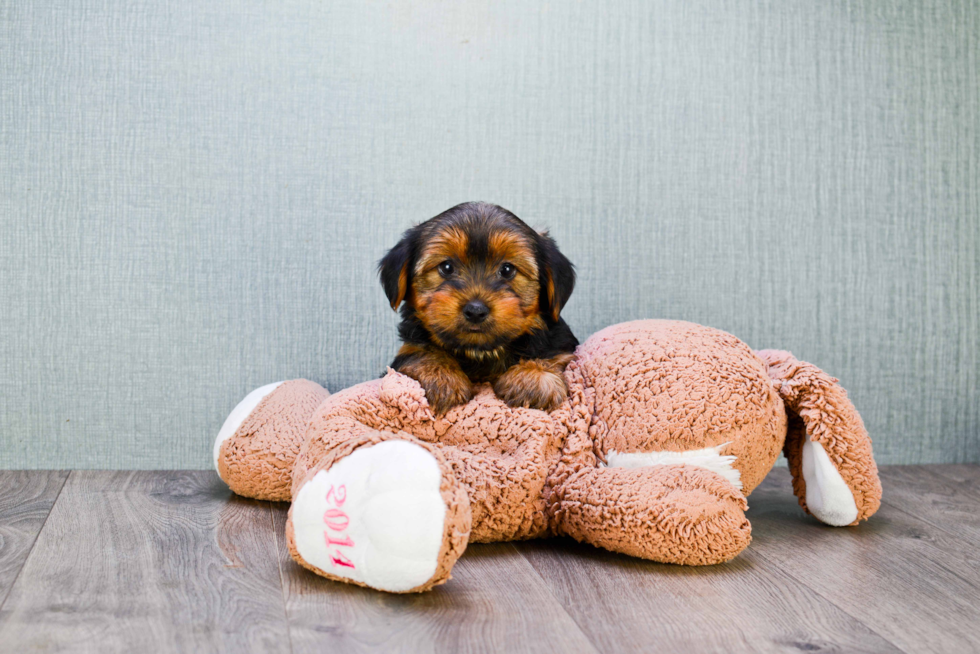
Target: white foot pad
827,495
376,517
238,415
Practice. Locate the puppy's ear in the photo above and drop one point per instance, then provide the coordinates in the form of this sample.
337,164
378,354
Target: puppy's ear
556,276
395,268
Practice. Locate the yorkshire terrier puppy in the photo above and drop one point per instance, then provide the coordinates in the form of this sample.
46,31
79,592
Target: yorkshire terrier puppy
482,294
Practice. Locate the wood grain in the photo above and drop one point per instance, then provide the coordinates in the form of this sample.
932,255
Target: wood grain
946,497
966,474
495,602
139,562
26,498
746,605
171,561
906,579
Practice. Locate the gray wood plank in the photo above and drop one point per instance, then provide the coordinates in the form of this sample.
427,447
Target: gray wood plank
746,605
900,575
149,561
495,602
967,474
137,561
937,496
26,498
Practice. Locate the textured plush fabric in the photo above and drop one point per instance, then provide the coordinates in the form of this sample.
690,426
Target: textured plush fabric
194,195
638,387
662,385
501,456
670,513
821,412
258,460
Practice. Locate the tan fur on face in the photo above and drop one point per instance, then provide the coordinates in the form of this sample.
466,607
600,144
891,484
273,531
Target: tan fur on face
508,246
449,242
402,287
514,310
550,287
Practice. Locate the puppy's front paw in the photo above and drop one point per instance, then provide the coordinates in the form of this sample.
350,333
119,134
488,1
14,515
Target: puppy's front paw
444,382
532,385
446,392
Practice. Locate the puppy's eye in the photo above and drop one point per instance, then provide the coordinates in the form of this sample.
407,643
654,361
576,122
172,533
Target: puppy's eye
507,271
446,268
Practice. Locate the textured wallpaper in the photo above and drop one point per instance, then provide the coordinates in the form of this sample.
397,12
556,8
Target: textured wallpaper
193,195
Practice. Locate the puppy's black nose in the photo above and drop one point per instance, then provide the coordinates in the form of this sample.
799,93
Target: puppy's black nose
476,311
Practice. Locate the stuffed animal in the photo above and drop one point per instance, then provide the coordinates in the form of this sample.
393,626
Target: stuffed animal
668,426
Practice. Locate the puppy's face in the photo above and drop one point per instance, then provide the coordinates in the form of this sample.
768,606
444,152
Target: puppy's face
477,277
475,284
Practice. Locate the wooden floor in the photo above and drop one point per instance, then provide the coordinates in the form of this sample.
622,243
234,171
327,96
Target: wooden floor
172,561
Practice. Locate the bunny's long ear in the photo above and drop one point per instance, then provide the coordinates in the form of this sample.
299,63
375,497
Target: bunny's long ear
556,276
395,268
829,452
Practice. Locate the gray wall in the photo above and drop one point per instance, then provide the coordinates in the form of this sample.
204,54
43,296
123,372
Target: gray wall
193,195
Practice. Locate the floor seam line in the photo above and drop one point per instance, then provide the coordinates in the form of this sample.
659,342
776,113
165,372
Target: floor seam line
545,585
282,581
27,558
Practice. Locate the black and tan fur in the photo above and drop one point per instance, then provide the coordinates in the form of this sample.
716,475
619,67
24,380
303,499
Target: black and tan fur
481,260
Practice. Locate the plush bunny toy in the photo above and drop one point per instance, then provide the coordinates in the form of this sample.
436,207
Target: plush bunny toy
668,426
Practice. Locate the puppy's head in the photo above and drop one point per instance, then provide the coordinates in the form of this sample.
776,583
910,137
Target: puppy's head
477,277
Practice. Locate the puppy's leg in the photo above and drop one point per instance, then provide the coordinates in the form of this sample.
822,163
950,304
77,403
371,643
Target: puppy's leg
445,383
535,383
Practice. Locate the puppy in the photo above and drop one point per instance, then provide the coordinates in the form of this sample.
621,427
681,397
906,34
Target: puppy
482,295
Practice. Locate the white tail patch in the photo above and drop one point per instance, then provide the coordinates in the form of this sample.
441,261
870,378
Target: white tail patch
709,458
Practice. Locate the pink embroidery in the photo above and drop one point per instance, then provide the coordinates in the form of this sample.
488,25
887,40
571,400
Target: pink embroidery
341,495
347,542
340,559
337,520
